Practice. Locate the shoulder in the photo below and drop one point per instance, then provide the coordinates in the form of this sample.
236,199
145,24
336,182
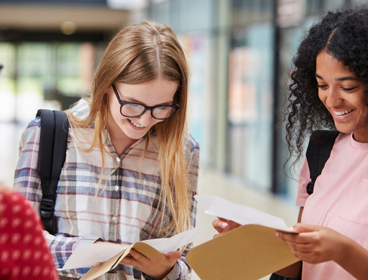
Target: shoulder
81,109
343,138
191,144
34,124
31,134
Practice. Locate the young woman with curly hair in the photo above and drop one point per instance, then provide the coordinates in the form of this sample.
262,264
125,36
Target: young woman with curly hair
329,90
131,169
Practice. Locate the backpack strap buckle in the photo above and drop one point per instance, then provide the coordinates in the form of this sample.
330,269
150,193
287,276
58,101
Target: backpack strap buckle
46,207
310,187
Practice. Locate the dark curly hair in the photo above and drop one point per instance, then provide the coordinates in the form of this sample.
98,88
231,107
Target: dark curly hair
344,35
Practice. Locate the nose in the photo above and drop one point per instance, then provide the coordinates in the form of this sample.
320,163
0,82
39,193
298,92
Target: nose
333,97
146,118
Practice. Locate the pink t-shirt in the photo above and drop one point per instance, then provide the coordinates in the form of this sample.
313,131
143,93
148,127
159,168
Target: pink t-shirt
339,200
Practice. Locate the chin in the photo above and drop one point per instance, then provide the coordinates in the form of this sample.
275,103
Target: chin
343,129
136,136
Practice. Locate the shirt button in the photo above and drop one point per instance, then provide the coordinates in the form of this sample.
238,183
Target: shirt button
116,188
118,159
114,219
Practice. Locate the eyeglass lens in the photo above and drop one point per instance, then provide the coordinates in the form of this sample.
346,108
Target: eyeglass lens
134,110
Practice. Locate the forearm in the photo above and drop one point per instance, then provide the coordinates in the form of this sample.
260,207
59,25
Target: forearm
353,258
61,248
291,271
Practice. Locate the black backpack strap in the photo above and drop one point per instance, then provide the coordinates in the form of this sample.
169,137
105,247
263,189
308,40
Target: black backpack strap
51,158
318,152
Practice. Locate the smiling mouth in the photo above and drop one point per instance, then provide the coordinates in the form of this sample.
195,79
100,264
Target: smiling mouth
135,124
343,113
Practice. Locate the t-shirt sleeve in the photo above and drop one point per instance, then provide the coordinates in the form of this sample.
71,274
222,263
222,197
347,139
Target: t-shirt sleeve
304,179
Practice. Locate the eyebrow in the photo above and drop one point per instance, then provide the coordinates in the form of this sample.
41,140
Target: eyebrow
349,78
130,99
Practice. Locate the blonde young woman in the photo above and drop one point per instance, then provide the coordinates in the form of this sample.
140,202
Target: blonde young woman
130,172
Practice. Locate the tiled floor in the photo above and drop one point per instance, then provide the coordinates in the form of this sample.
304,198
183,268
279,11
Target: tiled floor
210,182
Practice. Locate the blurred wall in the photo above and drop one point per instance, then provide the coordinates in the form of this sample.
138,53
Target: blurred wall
239,52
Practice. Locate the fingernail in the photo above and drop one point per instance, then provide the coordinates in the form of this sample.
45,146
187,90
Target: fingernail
277,234
223,225
291,228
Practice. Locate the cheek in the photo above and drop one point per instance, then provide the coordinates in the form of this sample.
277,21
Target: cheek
361,104
154,121
322,96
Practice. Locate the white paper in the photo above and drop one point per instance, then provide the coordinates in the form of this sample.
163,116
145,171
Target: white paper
167,245
88,255
238,213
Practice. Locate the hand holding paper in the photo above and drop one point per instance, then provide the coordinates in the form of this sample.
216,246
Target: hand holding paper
105,256
248,252
240,214
155,267
223,226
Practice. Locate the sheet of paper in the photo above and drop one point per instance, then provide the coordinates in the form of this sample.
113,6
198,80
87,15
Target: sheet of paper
167,245
88,255
241,214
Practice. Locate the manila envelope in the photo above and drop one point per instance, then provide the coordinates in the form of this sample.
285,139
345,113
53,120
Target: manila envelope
102,268
249,252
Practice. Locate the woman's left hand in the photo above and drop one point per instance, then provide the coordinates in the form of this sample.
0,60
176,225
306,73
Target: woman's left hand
314,244
155,267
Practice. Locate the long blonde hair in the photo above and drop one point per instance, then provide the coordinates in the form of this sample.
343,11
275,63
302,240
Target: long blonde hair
140,53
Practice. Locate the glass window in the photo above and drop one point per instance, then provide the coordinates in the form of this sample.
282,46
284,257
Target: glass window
44,75
250,106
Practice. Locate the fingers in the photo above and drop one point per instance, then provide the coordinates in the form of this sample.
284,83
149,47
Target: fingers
130,261
222,219
219,225
174,255
138,256
135,259
301,238
223,226
305,228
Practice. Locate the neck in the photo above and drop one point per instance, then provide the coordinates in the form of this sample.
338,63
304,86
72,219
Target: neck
119,140
361,135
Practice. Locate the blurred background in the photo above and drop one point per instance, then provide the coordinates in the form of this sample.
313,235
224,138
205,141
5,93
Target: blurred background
240,53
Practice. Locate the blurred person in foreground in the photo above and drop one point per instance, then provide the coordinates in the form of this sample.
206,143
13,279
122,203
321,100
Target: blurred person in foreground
329,90
24,253
131,169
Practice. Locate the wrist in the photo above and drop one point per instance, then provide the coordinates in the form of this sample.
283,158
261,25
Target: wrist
163,275
343,250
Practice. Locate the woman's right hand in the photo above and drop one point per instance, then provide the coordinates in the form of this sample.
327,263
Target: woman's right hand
223,226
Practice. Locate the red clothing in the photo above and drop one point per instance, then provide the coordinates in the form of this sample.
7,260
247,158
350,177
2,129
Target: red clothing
24,253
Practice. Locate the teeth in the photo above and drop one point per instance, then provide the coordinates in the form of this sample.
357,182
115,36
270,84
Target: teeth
135,124
343,113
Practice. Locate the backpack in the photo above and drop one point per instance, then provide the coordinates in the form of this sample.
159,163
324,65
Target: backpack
51,158
318,152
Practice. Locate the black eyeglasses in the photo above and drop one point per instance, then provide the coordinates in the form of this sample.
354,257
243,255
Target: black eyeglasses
133,110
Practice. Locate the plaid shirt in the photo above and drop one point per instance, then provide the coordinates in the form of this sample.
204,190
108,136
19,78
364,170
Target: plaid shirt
125,208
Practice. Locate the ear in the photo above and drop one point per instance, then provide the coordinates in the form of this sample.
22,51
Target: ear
109,89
